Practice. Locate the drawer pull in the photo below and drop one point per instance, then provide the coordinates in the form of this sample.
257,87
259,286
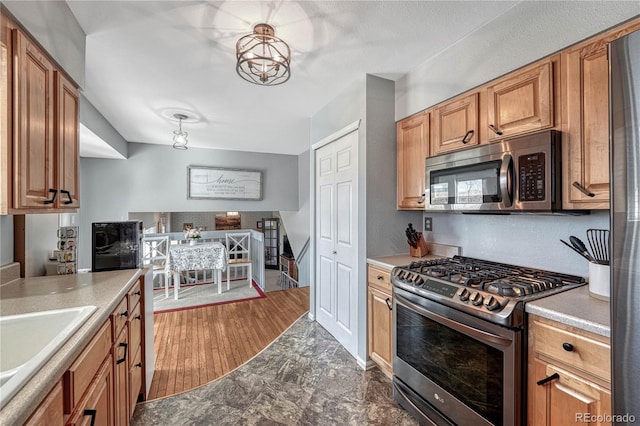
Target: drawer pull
137,317
379,277
464,139
567,347
124,314
124,357
138,293
388,302
495,130
582,189
91,413
548,379
139,365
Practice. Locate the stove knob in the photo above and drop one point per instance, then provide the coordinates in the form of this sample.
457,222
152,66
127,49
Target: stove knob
464,295
476,298
418,280
492,303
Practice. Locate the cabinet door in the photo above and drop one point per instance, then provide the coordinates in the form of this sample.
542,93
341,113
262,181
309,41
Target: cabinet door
521,103
413,148
34,155
50,411
96,408
455,125
585,83
121,355
567,400
380,325
67,137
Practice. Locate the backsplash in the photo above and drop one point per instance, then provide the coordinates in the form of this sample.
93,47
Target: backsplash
525,240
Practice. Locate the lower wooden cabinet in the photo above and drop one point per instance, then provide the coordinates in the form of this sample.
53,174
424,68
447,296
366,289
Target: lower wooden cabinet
121,356
380,319
96,407
50,411
569,375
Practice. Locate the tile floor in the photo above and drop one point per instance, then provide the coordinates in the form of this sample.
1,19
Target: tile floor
304,378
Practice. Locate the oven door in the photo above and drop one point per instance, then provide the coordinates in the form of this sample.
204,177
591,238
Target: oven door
461,369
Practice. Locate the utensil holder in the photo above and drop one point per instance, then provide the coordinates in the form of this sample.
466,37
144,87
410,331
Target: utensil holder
422,249
599,281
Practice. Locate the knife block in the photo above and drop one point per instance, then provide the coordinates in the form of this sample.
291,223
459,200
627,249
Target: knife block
422,249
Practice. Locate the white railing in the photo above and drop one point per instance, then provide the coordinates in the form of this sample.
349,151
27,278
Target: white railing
257,247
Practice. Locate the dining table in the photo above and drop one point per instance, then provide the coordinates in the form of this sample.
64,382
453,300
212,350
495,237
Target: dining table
195,257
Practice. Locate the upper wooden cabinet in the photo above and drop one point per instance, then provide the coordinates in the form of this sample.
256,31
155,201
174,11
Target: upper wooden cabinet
585,116
521,102
39,151
413,149
455,125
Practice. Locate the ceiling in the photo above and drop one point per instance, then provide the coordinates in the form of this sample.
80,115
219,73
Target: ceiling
147,60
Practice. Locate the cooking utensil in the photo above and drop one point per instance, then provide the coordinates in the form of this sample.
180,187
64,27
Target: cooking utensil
579,245
411,236
599,243
575,249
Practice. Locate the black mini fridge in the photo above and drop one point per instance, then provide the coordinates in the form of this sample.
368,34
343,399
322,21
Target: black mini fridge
116,245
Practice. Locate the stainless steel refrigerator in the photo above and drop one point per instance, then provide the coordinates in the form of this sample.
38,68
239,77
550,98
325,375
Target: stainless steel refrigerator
624,98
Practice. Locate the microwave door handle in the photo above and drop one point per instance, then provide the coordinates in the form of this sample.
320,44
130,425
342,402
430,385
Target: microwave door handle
506,186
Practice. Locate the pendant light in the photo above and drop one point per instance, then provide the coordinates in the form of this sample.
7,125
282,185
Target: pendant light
263,58
179,137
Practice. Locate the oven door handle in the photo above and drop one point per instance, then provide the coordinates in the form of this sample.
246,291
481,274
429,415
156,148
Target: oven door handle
469,331
506,180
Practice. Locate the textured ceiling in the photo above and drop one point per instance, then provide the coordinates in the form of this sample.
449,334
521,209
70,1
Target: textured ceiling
146,60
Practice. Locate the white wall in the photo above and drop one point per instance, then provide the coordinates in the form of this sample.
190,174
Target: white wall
154,178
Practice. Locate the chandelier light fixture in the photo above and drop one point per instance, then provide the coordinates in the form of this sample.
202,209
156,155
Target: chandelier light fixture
179,137
263,58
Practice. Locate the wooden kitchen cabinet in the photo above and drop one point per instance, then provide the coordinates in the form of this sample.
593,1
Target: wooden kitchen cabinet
96,408
50,411
455,125
120,358
522,101
585,115
39,152
574,367
135,365
380,319
413,149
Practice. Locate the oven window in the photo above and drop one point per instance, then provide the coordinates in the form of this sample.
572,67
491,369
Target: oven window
468,369
475,184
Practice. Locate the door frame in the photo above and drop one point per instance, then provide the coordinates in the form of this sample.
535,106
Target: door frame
352,127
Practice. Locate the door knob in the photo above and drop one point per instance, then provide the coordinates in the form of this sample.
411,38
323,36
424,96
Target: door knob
334,252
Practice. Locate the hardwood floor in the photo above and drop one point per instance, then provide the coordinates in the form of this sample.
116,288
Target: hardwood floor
196,346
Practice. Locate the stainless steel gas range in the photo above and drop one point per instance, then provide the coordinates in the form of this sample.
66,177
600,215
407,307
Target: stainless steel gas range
459,346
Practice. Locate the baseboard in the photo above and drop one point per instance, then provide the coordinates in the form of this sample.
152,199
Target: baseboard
363,364
311,316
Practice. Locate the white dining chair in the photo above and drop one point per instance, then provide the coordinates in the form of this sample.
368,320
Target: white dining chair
239,253
154,254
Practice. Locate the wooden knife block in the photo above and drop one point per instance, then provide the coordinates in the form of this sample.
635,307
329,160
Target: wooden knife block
422,249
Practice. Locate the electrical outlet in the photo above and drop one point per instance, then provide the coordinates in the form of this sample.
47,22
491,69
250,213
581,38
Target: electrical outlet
428,224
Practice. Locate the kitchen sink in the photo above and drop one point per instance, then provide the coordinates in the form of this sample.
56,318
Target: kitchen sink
27,341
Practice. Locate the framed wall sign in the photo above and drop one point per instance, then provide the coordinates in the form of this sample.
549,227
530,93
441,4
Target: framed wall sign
225,184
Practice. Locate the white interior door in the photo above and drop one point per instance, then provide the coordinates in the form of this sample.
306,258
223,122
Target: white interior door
336,239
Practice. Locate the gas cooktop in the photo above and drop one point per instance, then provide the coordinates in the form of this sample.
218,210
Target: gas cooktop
490,290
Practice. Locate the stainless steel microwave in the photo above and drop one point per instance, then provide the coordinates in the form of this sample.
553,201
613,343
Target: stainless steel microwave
515,175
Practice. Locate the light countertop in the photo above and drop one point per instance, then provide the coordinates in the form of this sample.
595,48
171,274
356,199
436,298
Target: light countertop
435,251
101,289
575,308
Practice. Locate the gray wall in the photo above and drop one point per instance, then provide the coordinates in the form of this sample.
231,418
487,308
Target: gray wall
94,121
53,25
533,30
154,178
6,239
380,226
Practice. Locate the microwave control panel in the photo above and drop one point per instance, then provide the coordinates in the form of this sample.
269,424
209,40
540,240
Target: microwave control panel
531,177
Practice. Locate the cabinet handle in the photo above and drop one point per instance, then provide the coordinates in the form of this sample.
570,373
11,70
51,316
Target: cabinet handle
53,198
138,293
567,347
548,379
421,199
495,130
125,314
582,189
388,302
139,365
379,277
137,317
69,199
467,135
124,357
91,413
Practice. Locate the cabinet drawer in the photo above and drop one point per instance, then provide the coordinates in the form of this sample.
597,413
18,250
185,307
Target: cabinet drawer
379,278
575,350
134,295
78,377
96,407
119,317
135,380
135,330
